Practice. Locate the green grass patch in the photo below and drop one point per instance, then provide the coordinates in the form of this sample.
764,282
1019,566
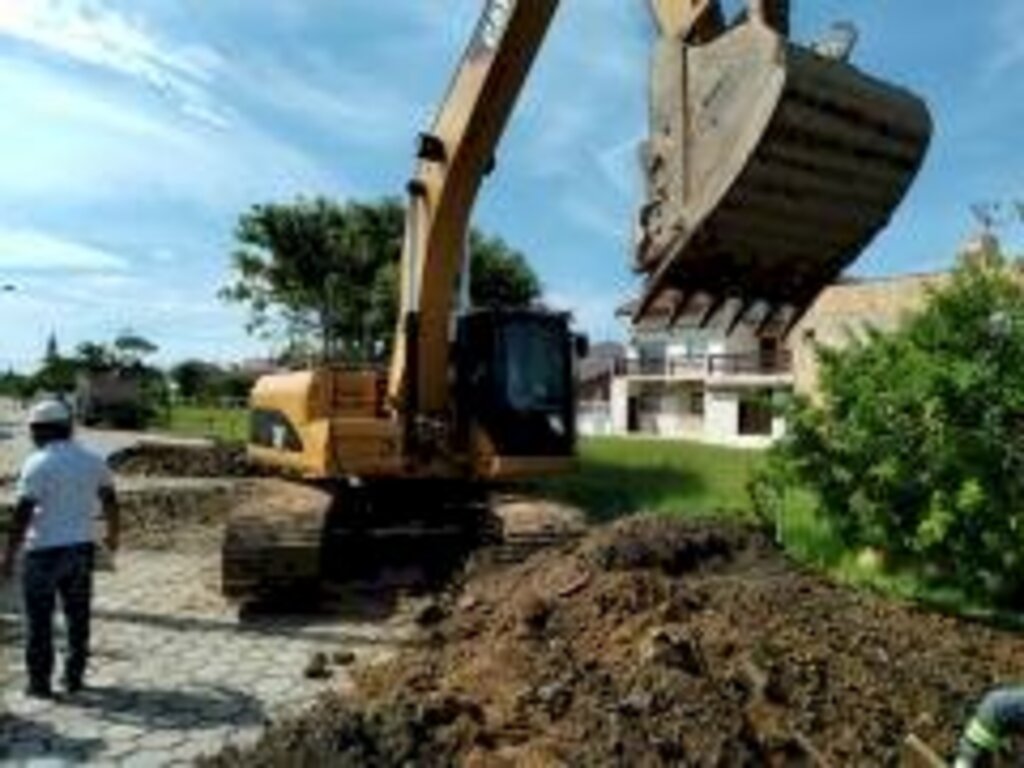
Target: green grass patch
622,476
229,424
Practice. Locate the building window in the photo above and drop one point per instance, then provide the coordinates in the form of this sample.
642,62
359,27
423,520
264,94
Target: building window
756,417
696,402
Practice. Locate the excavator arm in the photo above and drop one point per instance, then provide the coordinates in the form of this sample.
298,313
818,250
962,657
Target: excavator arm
453,159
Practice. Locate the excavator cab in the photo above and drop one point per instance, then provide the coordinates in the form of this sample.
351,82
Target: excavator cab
515,403
770,165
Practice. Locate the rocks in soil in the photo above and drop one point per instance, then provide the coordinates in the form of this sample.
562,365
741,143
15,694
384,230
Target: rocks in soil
318,667
688,645
343,658
431,614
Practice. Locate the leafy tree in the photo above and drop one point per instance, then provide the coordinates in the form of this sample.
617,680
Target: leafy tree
56,374
315,269
13,384
194,378
131,349
499,276
917,448
94,357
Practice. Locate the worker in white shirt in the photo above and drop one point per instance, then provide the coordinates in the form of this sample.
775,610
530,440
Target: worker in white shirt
59,490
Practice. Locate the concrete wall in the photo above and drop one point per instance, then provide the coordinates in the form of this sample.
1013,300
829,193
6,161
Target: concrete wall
620,406
722,421
847,310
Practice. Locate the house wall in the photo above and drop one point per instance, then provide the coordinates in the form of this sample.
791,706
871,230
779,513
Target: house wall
848,310
620,406
722,421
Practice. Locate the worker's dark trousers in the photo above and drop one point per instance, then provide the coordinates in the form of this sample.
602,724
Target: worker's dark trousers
65,572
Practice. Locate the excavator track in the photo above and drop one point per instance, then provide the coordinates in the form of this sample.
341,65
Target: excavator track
273,543
296,540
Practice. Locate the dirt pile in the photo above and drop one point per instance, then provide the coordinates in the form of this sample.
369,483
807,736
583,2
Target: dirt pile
658,643
157,459
162,514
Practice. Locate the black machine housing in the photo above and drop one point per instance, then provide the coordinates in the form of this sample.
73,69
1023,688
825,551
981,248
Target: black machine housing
515,379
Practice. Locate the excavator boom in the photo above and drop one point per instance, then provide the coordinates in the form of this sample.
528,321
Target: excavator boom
454,157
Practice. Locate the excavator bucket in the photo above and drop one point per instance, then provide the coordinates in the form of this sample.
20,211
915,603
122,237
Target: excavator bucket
770,167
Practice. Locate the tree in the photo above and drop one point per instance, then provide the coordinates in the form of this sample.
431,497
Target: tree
56,374
317,269
131,349
917,448
194,378
91,356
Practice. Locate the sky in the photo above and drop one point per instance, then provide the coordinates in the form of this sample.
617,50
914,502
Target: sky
134,132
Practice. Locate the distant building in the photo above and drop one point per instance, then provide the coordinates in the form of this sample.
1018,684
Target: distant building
596,372
681,380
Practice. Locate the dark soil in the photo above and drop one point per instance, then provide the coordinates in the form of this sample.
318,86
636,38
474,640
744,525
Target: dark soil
655,642
157,459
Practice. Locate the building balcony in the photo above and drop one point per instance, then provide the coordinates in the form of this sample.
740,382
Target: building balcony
742,366
778,363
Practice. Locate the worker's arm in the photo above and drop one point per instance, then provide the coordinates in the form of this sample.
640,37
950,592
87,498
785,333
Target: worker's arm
112,515
16,536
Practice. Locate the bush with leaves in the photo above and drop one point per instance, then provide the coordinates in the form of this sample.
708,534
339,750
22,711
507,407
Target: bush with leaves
917,445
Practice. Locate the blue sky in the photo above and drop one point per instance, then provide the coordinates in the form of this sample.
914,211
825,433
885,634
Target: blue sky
133,133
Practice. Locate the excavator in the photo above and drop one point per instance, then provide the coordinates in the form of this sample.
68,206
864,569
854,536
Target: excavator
769,165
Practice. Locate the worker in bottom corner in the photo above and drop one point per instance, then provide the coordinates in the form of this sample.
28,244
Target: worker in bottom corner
59,489
999,717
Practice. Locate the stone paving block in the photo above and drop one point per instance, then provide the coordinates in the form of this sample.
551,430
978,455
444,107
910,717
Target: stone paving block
147,759
161,741
46,762
164,692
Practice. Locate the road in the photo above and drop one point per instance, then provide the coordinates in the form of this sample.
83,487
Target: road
15,444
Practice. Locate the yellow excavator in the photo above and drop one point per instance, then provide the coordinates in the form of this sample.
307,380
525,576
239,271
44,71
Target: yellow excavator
769,167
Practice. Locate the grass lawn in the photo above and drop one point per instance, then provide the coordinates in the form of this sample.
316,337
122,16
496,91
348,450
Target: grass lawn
199,421
621,476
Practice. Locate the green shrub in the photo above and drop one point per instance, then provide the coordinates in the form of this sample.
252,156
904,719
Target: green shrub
917,446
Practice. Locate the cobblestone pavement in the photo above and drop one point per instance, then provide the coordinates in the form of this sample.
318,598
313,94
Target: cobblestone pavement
175,674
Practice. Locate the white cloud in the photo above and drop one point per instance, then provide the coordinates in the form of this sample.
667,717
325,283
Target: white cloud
1008,48
25,250
82,143
89,32
355,106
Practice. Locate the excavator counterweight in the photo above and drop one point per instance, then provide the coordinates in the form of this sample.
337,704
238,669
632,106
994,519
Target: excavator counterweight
770,165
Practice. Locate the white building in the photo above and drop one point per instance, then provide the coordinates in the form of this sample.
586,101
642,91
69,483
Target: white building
703,384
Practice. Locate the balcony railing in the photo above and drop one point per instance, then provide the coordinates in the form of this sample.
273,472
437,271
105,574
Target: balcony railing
751,364
680,366
674,366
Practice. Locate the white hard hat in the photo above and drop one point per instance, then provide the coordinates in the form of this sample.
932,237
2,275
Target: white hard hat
49,412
